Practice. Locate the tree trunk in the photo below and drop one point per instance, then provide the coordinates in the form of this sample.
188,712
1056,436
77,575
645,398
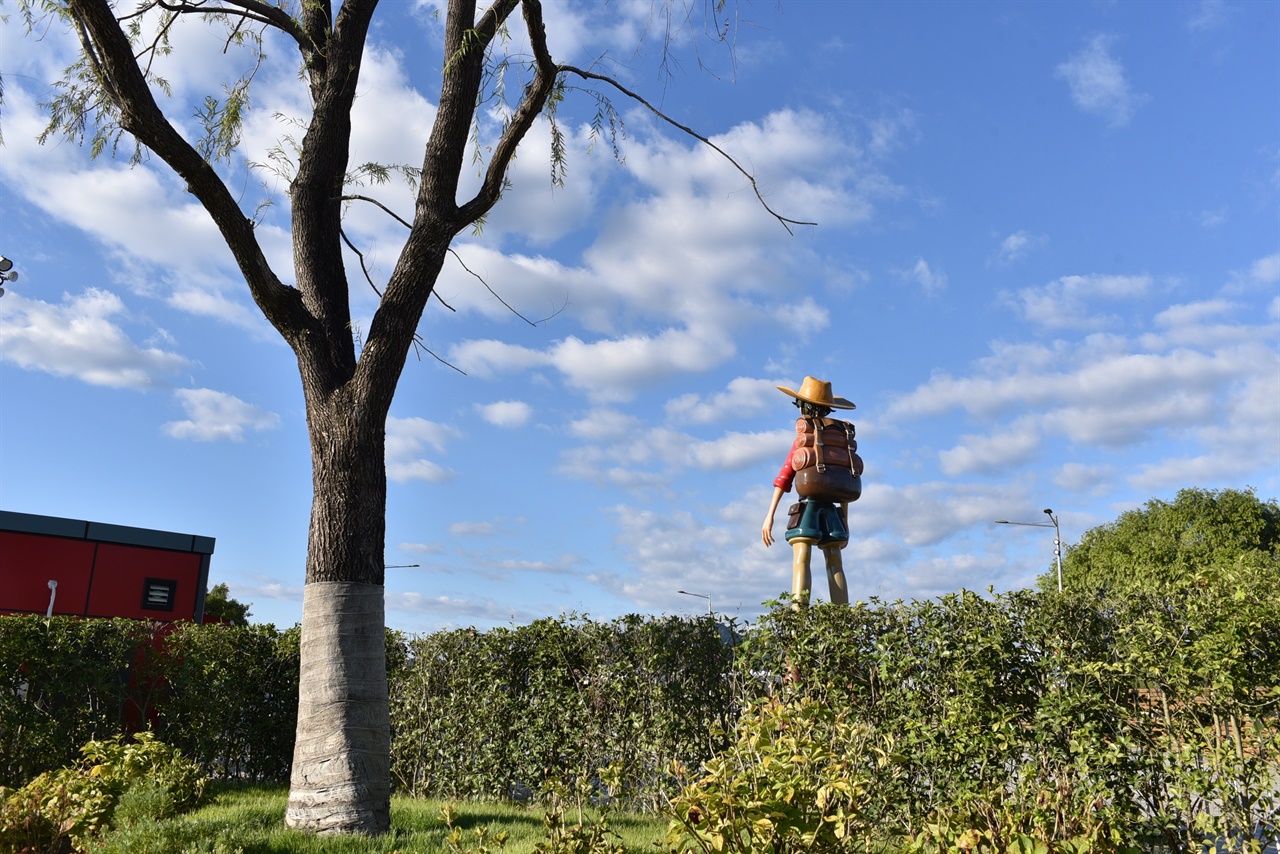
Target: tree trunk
341,781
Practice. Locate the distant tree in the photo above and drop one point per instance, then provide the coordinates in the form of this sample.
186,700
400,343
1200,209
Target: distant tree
113,94
1203,537
218,603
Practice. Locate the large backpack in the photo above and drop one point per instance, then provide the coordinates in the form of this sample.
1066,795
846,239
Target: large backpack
825,460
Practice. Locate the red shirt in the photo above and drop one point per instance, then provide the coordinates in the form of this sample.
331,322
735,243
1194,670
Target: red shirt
786,475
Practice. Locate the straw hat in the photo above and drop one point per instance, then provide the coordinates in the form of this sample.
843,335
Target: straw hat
819,392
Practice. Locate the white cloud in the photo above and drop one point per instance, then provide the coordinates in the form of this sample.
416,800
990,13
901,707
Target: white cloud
1208,15
603,424
1098,83
506,413
454,608
473,529
1213,218
1204,384
606,369
406,438
80,338
932,280
1016,246
1084,478
887,133
743,396
126,207
736,451
215,415
1067,302
1266,270
998,451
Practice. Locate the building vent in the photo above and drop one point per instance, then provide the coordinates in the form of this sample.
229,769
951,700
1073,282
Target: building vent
158,594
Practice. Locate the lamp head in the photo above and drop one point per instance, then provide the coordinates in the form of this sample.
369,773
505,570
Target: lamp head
1048,512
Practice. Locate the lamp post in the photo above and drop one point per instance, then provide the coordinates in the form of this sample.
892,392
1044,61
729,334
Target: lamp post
7,273
700,596
1057,537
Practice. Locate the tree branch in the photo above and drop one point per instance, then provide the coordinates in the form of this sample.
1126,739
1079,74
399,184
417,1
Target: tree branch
356,197
452,251
316,213
363,268
786,222
252,10
418,344
531,104
125,84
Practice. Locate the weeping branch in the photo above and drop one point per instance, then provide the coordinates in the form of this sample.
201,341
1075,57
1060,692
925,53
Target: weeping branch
531,104
786,222
125,85
418,344
356,197
496,296
246,10
363,268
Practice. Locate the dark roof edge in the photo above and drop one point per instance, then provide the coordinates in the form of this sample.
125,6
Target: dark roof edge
55,526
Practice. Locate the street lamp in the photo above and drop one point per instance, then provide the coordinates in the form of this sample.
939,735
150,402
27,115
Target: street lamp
7,273
1057,537
700,596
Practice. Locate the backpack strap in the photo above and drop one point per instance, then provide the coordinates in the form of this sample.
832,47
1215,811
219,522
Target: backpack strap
817,444
848,435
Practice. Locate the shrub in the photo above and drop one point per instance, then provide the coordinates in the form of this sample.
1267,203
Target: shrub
64,809
799,776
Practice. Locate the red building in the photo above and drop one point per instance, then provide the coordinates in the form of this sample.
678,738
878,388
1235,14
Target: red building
50,565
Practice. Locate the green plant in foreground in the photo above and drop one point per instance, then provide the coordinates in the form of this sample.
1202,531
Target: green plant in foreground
587,835
798,777
64,809
481,832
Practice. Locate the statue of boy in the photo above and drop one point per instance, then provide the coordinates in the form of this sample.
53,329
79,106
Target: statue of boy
824,464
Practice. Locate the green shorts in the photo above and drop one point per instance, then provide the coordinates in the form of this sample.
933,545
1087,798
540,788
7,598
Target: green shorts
820,522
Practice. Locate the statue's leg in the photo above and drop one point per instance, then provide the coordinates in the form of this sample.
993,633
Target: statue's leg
801,579
835,575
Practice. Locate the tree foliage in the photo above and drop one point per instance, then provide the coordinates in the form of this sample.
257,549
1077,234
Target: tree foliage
1202,537
219,603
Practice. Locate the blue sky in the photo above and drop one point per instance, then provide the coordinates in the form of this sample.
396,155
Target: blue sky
1046,268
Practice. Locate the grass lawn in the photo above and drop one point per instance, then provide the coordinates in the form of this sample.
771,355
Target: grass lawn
250,819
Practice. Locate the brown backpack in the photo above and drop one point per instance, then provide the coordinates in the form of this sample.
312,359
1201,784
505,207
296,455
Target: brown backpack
825,461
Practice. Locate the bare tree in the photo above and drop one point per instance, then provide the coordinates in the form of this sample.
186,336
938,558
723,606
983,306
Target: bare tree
341,776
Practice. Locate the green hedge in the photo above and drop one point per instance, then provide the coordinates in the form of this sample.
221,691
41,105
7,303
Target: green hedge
63,683
227,696
1055,716
496,714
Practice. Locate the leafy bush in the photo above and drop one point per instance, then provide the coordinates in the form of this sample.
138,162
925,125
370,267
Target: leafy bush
799,776
66,681
63,809
63,682
251,675
1056,720
497,714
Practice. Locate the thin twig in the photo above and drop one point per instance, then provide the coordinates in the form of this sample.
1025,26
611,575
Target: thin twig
358,198
481,280
343,234
418,344
787,222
